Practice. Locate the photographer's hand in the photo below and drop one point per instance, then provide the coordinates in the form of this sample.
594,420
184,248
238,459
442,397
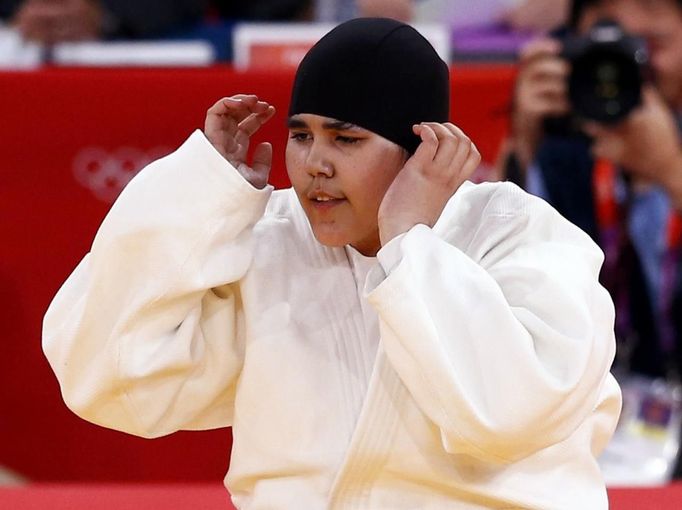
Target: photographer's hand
230,123
445,158
646,144
540,91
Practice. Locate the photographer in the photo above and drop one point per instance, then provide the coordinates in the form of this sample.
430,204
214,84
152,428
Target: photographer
55,21
620,181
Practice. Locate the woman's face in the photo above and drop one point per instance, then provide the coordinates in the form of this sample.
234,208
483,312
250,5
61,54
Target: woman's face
340,173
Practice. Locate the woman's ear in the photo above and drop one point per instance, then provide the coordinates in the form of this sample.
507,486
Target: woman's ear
405,154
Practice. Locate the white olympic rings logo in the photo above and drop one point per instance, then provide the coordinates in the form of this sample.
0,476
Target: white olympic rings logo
106,173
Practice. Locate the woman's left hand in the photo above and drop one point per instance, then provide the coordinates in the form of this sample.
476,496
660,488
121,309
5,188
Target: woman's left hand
445,158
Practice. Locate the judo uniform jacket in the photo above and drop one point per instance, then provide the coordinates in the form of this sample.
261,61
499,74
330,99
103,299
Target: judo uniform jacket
466,367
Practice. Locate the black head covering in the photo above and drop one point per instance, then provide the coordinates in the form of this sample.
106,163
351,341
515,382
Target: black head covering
379,74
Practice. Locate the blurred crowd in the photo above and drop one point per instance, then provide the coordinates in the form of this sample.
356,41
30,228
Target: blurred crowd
54,21
595,130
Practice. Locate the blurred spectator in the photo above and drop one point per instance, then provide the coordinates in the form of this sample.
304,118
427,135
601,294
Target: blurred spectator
519,15
211,21
53,21
402,10
263,10
342,10
526,15
491,28
621,183
224,15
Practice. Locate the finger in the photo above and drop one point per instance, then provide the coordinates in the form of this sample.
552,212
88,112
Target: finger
464,150
221,130
222,118
220,122
242,135
251,101
546,69
539,48
595,130
241,148
229,113
238,106
548,87
235,108
447,145
472,155
456,131
262,159
223,121
548,106
651,96
428,146
471,164
608,147
652,111
546,90
253,122
600,150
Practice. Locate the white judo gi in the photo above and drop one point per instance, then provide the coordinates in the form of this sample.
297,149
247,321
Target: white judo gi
466,367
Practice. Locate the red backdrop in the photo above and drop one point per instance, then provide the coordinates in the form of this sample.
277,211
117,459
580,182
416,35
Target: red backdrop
69,138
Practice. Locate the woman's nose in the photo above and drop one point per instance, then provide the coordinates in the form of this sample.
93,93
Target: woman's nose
317,162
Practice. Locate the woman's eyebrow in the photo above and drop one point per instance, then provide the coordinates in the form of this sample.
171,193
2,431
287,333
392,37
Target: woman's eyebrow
334,125
294,123
339,125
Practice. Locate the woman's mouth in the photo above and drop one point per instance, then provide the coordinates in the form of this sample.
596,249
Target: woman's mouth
322,200
325,202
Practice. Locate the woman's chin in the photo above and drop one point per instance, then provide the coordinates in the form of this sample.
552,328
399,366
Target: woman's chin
330,239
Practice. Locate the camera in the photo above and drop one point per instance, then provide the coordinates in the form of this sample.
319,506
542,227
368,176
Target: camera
608,68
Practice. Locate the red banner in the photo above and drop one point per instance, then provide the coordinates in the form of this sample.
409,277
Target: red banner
69,140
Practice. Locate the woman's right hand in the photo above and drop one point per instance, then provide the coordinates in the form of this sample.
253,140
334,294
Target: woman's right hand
230,123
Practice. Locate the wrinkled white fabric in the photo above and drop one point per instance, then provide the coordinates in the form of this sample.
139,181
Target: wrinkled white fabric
466,368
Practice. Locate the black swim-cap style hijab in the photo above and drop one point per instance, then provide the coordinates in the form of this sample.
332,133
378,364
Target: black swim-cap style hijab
377,73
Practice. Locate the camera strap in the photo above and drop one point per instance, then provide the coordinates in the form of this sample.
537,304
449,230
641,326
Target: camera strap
669,268
650,421
613,240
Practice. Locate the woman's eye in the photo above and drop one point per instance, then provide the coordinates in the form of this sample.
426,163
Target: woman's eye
347,139
300,137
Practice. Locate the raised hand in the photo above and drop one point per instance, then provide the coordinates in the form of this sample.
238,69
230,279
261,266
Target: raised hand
445,158
646,143
230,123
540,91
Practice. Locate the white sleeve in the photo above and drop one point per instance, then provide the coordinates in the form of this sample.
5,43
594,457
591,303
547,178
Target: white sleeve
506,343
144,336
